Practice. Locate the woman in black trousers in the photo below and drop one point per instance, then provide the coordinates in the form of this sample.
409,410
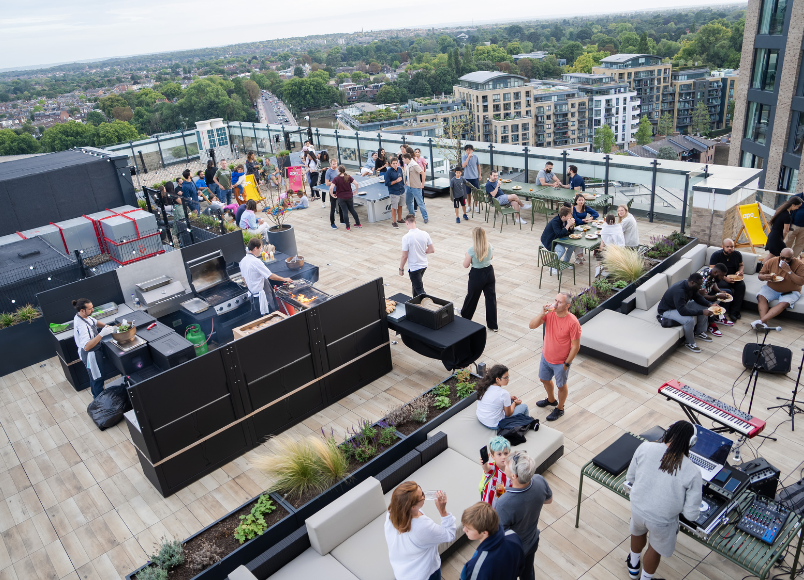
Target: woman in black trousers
481,279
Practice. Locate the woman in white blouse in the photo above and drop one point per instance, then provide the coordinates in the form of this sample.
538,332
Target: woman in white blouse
629,224
412,537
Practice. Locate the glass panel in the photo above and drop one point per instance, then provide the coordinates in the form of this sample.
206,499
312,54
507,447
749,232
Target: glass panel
797,133
771,16
760,54
788,179
756,125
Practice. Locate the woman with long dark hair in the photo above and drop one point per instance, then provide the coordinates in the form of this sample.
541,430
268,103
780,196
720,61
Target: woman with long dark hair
381,165
481,278
780,226
494,402
412,537
664,483
253,167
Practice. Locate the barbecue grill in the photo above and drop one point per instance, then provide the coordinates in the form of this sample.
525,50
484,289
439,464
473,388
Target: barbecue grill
301,294
212,284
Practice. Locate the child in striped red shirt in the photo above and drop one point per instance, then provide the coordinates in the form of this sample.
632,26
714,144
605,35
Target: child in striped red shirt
495,481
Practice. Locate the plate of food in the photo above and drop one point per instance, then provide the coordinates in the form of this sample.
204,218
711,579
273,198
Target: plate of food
516,187
506,181
585,228
734,278
591,236
717,310
390,306
778,278
575,236
726,300
361,193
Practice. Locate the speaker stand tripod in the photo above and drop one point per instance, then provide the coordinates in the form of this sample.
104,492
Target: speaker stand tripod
752,384
791,404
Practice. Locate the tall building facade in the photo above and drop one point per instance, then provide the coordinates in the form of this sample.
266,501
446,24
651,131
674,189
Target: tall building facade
661,90
769,110
508,109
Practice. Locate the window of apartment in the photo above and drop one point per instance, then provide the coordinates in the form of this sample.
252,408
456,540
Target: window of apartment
506,96
506,106
504,129
514,138
764,74
548,126
496,108
495,98
756,124
504,139
548,116
771,16
515,128
629,75
485,98
517,95
797,133
751,160
518,105
486,108
788,179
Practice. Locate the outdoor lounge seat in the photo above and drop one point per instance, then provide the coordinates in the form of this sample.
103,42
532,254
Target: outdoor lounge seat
311,564
640,343
679,271
466,436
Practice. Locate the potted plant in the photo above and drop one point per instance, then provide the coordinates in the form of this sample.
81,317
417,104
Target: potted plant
25,338
281,234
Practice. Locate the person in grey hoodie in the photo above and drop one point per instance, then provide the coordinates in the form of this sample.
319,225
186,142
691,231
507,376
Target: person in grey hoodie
664,483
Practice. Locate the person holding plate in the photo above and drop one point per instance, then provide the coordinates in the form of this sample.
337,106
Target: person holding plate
714,275
784,277
733,260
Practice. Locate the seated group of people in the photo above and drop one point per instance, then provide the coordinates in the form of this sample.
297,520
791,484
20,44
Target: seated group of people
688,302
505,521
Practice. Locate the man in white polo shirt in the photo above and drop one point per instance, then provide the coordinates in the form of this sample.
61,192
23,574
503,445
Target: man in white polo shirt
416,244
256,274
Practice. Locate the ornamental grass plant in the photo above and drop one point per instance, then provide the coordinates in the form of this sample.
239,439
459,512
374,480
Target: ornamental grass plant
623,263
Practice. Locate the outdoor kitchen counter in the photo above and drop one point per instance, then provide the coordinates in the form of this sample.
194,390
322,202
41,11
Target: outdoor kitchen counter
457,345
306,272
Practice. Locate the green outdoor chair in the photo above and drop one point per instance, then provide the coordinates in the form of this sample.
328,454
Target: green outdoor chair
539,207
504,213
628,205
479,197
550,260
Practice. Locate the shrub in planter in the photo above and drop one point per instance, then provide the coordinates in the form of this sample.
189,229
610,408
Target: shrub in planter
664,246
296,467
408,418
364,442
623,263
253,524
583,302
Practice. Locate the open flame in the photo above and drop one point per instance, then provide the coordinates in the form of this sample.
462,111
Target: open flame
302,298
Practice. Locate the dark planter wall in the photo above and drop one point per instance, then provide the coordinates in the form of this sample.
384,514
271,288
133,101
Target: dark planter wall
25,344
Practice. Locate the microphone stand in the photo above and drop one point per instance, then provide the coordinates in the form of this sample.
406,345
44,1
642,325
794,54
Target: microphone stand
791,404
752,378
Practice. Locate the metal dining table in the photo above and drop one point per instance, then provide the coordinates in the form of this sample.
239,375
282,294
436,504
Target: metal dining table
555,195
584,243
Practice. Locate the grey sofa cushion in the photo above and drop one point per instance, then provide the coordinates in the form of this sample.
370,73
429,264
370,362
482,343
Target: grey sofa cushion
650,292
311,564
637,341
697,256
354,510
749,259
646,315
679,271
456,476
365,554
466,435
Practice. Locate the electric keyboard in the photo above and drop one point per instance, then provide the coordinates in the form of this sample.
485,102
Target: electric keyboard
717,411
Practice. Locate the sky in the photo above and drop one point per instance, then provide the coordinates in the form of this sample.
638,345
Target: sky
40,32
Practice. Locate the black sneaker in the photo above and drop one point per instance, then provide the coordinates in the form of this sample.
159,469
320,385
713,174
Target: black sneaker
544,402
555,414
633,571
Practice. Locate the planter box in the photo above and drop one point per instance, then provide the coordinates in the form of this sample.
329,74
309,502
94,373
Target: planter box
25,344
249,550
615,301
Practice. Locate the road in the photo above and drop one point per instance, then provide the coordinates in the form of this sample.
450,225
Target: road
273,111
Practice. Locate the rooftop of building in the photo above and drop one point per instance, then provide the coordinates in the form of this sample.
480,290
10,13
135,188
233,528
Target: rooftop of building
626,57
483,76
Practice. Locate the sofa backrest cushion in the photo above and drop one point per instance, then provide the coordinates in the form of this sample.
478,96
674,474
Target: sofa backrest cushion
697,256
679,271
749,259
651,292
331,526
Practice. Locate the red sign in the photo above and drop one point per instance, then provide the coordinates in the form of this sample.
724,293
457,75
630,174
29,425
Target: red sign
296,178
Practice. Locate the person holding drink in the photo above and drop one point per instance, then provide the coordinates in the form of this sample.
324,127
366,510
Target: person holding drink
412,537
495,480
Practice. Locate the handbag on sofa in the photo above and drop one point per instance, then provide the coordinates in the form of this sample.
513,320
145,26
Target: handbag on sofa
667,322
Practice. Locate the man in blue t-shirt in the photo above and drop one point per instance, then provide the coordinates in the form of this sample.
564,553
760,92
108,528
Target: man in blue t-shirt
493,190
577,183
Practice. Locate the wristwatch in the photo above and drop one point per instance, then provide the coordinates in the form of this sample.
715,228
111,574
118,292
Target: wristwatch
567,364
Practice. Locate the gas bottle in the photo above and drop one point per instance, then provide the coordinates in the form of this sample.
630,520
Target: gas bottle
196,336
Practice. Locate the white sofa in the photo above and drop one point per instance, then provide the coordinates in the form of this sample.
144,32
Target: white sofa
347,537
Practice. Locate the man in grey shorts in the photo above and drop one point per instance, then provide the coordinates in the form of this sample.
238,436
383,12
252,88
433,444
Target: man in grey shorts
394,181
664,483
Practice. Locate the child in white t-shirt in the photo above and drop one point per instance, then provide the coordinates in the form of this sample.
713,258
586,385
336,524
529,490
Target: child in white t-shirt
612,233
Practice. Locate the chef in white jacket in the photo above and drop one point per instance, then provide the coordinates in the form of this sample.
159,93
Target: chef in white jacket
88,333
256,274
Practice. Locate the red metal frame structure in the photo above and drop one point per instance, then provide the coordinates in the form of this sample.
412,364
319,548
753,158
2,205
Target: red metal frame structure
111,247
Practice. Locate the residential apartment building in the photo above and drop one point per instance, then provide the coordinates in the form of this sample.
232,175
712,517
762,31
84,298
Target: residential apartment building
769,110
508,109
661,90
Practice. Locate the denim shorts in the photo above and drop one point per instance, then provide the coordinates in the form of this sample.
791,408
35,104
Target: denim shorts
548,371
791,298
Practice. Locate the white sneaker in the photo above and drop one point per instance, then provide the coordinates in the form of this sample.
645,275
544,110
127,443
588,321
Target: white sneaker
522,221
323,204
553,271
527,206
757,324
